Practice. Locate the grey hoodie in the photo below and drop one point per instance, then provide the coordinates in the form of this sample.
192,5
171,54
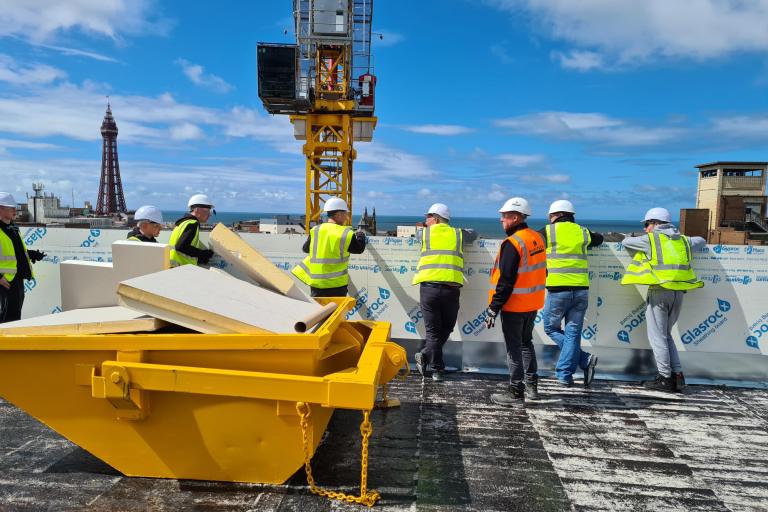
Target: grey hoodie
635,244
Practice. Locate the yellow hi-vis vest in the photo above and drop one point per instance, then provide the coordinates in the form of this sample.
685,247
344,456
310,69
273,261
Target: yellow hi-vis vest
669,265
442,256
8,265
567,264
178,258
328,259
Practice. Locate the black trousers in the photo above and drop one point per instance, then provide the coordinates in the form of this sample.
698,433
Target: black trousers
340,291
11,301
518,337
440,307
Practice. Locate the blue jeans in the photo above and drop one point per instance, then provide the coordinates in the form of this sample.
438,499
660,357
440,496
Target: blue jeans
571,306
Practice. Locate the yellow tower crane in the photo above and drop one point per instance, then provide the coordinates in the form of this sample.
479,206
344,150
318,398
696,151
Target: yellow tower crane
326,84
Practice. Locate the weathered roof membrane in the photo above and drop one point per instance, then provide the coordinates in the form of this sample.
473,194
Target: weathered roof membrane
614,447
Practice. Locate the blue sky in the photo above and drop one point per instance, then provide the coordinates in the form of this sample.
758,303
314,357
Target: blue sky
610,103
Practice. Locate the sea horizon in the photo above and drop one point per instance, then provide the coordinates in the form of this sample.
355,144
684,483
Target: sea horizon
485,226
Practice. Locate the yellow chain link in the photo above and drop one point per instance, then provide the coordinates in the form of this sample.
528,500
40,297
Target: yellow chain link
366,497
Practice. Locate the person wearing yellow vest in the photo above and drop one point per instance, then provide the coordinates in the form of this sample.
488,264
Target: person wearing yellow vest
149,223
568,290
517,293
328,246
186,247
15,262
440,276
662,261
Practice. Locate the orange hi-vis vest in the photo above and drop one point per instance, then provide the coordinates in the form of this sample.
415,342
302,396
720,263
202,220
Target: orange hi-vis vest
528,294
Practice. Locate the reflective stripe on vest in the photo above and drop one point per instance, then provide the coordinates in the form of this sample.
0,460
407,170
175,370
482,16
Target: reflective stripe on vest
567,263
528,293
328,259
669,265
442,256
179,258
8,263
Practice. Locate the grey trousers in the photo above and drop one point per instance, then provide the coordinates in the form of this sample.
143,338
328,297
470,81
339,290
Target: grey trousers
662,311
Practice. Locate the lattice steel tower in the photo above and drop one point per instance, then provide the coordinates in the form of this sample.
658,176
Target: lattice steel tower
111,198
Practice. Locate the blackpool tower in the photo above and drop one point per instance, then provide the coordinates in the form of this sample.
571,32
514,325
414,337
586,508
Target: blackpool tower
111,198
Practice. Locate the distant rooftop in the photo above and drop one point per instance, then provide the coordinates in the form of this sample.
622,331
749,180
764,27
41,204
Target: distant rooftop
720,164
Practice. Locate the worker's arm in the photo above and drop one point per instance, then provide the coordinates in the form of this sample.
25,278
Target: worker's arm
468,236
357,246
696,242
596,239
305,247
509,262
184,244
635,244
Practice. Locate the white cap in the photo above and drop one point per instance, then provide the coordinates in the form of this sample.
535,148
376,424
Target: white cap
150,213
661,214
6,199
441,210
561,205
335,204
516,204
199,199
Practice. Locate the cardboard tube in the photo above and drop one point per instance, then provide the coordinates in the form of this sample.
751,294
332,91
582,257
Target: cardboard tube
312,320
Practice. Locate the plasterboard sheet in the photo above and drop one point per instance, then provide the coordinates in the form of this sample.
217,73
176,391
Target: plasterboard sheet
87,284
238,253
114,319
220,303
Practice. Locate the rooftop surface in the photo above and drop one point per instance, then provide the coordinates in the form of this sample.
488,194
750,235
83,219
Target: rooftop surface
613,447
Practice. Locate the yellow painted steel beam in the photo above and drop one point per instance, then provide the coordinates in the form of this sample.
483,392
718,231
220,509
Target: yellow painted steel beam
354,388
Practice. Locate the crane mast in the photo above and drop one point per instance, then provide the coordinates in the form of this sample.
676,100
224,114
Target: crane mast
328,91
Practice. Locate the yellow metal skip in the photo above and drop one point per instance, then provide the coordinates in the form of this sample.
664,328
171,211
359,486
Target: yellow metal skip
198,406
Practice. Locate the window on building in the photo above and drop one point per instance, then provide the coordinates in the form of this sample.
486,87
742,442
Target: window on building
708,174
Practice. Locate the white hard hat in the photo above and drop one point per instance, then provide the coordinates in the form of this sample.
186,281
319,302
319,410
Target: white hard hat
6,199
335,204
441,210
199,199
561,205
150,213
516,204
661,214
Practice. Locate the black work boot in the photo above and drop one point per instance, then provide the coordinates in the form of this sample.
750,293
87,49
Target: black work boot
515,396
532,390
679,379
660,383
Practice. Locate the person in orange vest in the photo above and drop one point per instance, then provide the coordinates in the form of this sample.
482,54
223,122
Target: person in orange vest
518,281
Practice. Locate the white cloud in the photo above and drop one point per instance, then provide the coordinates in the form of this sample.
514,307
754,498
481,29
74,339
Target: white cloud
186,131
42,20
25,144
497,193
196,73
520,160
500,51
438,129
75,111
631,32
589,127
385,163
546,178
743,126
75,52
579,60
424,193
13,73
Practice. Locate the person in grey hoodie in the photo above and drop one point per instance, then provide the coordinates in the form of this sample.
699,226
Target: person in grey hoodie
662,260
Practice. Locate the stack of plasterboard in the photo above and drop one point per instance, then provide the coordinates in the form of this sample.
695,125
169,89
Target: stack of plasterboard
210,302
115,319
250,262
91,284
